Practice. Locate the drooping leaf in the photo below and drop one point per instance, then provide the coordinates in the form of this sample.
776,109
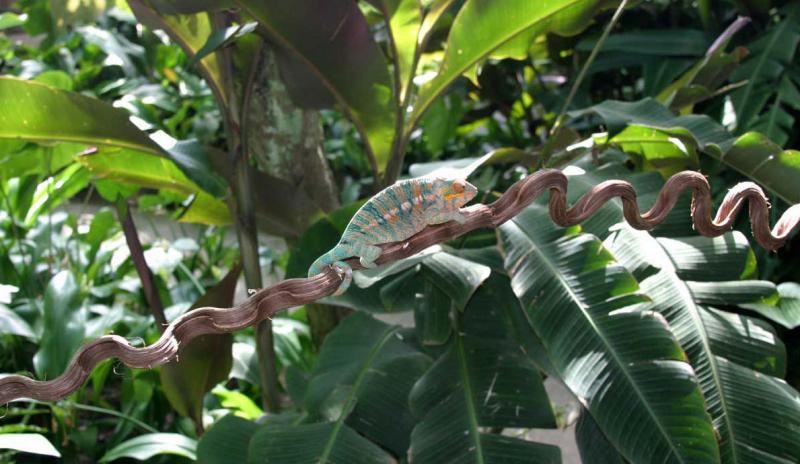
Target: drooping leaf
188,27
751,154
28,114
361,381
482,26
156,172
787,311
107,132
737,359
63,316
146,446
621,362
33,443
328,42
484,379
325,442
204,361
226,441
12,323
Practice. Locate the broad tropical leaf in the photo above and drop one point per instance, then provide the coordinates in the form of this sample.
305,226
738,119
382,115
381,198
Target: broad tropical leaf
620,361
751,154
766,82
739,360
482,26
190,27
362,379
329,42
226,441
204,361
787,311
404,19
116,148
483,379
593,446
321,443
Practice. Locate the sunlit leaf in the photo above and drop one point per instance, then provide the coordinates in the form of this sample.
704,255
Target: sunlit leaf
751,154
33,443
621,362
145,447
736,357
485,25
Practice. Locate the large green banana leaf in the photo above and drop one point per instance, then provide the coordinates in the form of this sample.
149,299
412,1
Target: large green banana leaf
621,361
362,379
483,26
110,143
752,154
483,379
738,359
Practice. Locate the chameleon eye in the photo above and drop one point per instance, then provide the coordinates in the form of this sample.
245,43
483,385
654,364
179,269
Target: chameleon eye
458,186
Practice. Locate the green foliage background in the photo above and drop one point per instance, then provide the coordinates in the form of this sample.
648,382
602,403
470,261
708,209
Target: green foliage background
245,134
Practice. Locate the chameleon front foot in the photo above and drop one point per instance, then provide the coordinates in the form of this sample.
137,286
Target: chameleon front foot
345,273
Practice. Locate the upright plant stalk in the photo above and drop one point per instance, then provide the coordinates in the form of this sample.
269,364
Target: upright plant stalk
137,255
547,150
242,206
246,232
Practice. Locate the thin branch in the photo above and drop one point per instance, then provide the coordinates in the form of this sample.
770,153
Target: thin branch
295,292
137,256
585,69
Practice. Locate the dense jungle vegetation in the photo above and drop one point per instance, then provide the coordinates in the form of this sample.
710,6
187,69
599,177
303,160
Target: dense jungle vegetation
158,156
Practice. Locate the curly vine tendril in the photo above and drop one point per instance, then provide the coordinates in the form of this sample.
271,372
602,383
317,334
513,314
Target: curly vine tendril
295,292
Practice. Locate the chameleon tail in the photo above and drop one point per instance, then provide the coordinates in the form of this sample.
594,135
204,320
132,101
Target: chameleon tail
334,259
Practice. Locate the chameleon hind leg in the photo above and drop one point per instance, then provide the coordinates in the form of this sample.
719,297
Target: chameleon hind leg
368,254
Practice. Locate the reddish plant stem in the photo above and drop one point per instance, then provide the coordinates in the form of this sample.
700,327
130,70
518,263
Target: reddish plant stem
137,256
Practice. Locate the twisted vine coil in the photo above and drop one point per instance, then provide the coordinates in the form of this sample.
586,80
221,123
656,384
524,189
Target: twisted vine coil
295,292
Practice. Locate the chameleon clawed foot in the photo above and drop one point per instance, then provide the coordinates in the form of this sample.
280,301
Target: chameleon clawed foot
345,273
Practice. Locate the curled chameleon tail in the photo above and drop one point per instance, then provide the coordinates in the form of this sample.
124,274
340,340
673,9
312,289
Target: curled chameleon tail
334,258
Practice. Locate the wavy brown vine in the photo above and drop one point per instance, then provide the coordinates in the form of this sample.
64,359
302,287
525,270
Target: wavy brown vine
295,292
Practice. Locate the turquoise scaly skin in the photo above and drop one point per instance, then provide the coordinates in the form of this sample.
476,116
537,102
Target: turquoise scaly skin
396,213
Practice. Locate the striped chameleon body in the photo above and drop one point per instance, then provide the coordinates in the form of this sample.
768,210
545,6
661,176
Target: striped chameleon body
394,214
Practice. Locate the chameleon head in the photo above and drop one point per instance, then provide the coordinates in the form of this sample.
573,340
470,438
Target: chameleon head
457,192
